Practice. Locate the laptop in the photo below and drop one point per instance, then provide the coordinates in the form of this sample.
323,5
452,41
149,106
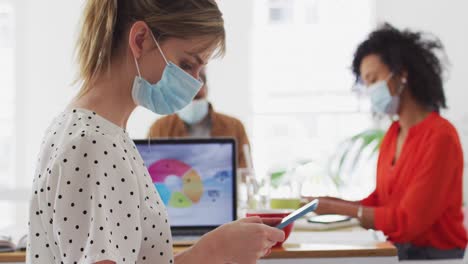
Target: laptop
196,180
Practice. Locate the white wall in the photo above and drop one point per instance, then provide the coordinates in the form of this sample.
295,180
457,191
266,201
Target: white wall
230,77
448,21
45,34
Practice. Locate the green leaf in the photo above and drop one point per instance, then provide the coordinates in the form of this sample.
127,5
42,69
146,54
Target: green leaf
276,177
345,152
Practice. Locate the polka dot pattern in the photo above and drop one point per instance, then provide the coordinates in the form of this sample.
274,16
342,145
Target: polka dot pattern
93,198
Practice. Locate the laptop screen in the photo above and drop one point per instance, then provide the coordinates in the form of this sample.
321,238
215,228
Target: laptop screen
195,178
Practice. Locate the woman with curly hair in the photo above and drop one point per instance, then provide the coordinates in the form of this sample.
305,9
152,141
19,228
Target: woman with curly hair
417,202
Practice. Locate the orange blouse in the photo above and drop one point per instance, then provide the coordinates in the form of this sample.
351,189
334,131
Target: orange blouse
418,199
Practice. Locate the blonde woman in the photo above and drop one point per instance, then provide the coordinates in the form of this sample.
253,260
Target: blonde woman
93,200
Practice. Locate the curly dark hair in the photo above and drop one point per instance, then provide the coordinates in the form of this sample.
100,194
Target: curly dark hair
412,52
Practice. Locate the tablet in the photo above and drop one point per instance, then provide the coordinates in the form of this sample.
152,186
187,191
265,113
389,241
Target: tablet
328,219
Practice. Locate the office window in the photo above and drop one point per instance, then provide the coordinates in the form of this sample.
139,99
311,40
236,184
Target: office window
6,95
302,97
7,147
311,11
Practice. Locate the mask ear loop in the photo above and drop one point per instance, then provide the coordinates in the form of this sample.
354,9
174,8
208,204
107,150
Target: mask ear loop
137,67
159,48
139,74
402,85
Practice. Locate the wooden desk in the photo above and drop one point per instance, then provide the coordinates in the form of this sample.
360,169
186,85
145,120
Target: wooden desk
291,252
12,257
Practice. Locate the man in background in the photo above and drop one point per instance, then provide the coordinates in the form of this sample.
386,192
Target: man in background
200,120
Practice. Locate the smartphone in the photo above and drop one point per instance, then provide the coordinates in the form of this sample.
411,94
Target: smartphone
298,214
328,219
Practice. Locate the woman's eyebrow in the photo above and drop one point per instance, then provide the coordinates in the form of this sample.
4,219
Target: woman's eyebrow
196,57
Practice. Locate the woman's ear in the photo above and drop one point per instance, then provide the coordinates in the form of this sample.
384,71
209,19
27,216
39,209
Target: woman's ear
139,32
393,85
398,82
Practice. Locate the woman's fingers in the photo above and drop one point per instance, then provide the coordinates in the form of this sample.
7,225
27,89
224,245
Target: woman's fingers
263,252
271,221
267,249
270,244
274,234
252,219
259,234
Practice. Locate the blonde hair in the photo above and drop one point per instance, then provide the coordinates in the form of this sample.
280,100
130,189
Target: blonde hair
105,22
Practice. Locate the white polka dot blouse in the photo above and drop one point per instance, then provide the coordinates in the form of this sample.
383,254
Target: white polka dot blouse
93,198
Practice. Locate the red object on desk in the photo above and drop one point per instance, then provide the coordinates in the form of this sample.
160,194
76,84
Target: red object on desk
418,198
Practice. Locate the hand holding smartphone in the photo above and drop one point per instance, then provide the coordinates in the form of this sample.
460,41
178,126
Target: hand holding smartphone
298,214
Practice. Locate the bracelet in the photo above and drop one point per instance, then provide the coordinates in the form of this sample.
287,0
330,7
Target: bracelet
359,212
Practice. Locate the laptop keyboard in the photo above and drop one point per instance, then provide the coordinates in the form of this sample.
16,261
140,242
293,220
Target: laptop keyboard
188,233
185,240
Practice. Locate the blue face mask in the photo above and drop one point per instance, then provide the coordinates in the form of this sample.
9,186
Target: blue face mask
194,112
381,99
174,91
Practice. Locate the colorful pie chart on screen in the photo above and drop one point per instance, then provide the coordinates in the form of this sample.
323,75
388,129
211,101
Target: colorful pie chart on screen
178,184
